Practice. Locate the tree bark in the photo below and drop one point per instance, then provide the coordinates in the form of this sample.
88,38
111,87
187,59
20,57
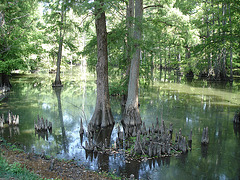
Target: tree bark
129,22
212,53
57,82
208,54
102,116
131,115
217,57
220,65
2,19
4,78
230,22
4,81
160,58
129,48
224,51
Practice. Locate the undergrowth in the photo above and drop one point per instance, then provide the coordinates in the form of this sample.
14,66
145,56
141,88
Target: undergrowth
15,170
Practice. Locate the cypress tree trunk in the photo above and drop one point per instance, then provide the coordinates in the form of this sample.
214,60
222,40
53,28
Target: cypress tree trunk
129,21
224,51
169,57
211,55
208,54
4,78
230,22
217,68
57,82
165,58
131,115
129,48
160,58
102,116
4,81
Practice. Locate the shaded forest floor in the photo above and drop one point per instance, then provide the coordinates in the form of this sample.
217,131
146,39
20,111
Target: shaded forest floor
46,167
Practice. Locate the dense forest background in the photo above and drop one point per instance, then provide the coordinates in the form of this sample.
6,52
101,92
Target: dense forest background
194,37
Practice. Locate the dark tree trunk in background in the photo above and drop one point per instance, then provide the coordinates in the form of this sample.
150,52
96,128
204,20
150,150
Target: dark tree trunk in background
217,57
220,64
4,80
210,72
230,22
131,115
102,116
208,54
224,51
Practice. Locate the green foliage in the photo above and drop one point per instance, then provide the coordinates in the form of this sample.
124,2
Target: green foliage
14,168
15,171
29,36
60,21
111,175
117,87
18,34
90,51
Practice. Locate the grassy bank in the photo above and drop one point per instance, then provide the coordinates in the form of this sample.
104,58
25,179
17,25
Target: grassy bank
15,171
17,164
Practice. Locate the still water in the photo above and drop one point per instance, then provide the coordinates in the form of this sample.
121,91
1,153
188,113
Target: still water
187,104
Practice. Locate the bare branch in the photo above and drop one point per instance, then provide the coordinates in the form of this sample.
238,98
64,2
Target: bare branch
5,50
151,6
2,21
18,17
163,22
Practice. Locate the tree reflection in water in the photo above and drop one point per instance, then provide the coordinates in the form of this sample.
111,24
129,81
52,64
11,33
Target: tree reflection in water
60,116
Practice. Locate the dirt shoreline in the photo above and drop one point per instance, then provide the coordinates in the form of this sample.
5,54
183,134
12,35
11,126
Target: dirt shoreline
49,168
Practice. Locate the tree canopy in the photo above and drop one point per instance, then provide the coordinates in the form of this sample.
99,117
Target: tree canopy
192,37
20,42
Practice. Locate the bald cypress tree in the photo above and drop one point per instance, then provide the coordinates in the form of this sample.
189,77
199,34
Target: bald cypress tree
102,116
131,115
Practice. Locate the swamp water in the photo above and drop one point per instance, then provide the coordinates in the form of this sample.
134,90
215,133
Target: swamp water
188,105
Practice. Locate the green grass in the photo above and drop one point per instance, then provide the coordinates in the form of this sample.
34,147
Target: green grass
111,175
15,171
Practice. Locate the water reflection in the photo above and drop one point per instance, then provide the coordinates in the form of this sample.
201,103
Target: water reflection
42,134
204,151
189,105
13,131
101,138
60,117
236,128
